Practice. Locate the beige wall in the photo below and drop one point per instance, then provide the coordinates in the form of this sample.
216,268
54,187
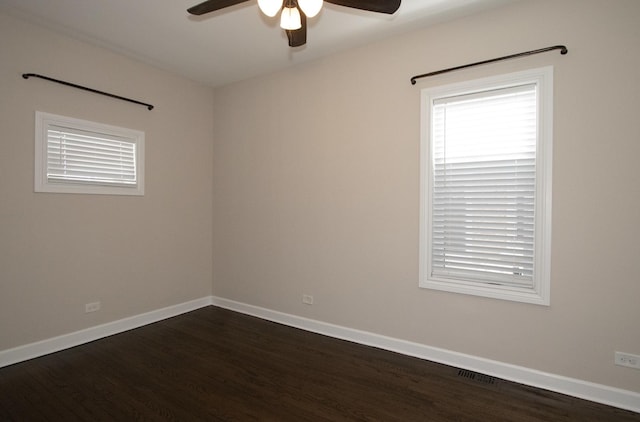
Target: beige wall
59,251
316,187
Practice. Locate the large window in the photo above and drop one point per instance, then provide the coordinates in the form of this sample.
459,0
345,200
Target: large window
78,156
486,187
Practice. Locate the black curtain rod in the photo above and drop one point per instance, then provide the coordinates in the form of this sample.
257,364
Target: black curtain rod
35,75
562,48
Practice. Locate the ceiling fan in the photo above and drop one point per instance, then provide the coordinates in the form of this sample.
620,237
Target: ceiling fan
294,13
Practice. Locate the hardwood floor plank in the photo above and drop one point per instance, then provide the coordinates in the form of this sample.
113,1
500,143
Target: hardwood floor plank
216,365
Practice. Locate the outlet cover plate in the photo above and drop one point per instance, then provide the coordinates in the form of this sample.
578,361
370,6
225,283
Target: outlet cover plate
627,359
92,307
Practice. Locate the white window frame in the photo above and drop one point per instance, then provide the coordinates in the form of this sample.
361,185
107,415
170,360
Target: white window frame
539,293
44,121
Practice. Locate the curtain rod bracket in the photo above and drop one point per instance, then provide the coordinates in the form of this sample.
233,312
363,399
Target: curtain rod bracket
95,91
563,50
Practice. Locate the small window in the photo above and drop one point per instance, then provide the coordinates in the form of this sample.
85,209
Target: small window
78,156
486,187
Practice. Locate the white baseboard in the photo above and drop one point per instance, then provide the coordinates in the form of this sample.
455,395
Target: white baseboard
40,348
598,393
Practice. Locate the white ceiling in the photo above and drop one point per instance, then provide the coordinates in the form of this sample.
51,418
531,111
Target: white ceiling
231,44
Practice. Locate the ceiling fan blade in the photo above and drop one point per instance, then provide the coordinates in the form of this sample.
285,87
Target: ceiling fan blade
212,5
298,37
380,6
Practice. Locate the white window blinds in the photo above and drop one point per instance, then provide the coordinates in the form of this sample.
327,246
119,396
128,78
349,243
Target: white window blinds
483,186
84,157
79,156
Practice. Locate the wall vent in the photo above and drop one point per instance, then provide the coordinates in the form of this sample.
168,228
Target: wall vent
476,376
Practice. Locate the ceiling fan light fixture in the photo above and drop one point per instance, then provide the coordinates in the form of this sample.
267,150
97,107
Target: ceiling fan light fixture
270,7
310,7
293,18
290,18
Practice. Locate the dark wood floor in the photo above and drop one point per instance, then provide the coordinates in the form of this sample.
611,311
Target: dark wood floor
217,365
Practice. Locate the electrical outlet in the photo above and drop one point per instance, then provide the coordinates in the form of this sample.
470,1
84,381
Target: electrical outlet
92,307
627,359
308,299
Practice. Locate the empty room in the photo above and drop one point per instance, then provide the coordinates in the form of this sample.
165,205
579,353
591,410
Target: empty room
339,210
